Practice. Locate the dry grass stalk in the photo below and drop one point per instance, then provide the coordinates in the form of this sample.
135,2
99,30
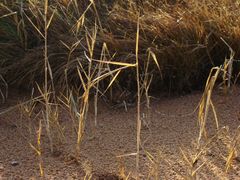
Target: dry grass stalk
228,68
38,149
206,101
178,35
90,79
138,102
87,167
233,150
91,39
100,70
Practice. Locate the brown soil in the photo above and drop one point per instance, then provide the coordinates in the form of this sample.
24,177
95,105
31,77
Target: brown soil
171,125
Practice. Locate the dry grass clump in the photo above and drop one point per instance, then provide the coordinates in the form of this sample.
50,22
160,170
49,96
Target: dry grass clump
183,35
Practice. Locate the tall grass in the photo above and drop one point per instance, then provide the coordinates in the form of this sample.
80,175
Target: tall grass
84,48
184,36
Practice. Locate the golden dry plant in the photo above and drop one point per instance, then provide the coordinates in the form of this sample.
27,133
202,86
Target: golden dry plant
206,101
84,49
184,37
38,149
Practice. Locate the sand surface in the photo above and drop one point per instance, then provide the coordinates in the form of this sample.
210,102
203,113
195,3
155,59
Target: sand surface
171,124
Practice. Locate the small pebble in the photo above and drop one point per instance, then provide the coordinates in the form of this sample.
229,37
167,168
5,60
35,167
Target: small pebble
14,163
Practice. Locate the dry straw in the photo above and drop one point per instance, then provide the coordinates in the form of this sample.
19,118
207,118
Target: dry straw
89,47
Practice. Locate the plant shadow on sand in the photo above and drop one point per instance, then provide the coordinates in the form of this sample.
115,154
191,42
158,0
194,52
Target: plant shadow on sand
171,126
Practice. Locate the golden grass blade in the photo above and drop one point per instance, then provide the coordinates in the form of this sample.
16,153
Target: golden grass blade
230,159
205,101
39,148
9,14
79,24
232,150
81,79
69,48
97,15
50,20
75,45
83,69
215,114
1,4
228,66
113,80
35,149
150,157
196,170
97,79
81,19
153,55
186,158
39,134
35,27
115,63
50,71
126,155
46,7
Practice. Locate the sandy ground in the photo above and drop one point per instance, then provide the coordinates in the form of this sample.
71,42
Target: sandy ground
171,125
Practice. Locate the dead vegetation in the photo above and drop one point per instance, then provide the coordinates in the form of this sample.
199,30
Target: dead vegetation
71,51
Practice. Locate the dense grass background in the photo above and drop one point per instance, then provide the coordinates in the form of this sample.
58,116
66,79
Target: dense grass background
185,36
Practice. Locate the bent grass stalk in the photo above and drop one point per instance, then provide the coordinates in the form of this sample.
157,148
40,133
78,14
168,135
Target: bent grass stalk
206,100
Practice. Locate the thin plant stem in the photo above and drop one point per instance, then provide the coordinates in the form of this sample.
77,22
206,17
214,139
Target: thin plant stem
138,102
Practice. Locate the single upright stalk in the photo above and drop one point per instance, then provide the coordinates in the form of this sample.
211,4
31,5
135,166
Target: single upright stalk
138,102
45,47
45,51
46,74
